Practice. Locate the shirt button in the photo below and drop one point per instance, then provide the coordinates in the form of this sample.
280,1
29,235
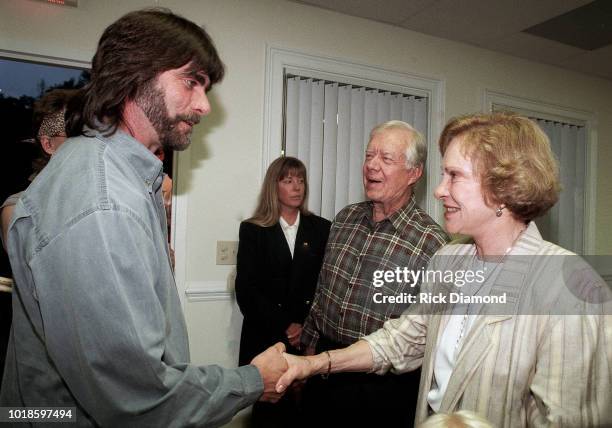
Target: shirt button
279,305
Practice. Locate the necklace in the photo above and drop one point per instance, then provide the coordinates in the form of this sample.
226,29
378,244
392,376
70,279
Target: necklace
464,320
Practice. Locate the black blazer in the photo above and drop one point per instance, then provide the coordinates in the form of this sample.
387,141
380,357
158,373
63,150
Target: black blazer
273,290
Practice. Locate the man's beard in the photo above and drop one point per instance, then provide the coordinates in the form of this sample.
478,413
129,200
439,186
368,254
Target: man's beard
152,102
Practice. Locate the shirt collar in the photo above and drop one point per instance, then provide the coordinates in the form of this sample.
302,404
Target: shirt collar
146,164
400,219
284,225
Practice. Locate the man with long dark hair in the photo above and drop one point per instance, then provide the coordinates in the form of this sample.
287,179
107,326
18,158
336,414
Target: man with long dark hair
97,324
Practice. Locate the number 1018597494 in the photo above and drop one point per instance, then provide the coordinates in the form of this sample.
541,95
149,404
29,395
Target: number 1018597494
48,414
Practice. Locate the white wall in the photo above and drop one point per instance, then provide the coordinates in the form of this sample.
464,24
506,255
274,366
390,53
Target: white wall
223,182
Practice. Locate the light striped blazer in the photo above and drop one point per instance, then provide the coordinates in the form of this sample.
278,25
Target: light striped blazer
541,369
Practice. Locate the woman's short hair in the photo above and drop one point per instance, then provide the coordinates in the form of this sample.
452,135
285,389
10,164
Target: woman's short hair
268,208
460,419
512,157
416,148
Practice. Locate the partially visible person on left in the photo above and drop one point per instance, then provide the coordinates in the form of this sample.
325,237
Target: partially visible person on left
50,128
50,125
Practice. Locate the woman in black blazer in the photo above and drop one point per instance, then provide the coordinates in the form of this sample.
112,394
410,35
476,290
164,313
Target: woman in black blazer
279,258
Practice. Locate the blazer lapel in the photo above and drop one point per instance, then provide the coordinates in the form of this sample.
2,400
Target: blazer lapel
302,246
301,239
435,329
470,358
278,236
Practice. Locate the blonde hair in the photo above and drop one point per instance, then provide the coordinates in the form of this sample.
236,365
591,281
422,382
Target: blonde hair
513,159
460,419
268,209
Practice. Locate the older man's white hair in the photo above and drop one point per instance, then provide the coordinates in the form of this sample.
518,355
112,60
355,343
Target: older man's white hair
416,147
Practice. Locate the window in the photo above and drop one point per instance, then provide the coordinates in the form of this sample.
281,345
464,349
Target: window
321,110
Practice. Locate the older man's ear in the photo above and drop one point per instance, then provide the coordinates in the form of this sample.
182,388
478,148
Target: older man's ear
415,173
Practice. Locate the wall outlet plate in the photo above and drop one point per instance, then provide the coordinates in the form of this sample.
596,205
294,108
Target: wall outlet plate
226,252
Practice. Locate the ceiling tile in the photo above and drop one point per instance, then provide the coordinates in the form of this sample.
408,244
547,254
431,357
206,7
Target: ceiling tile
497,25
389,11
588,27
532,47
597,62
476,21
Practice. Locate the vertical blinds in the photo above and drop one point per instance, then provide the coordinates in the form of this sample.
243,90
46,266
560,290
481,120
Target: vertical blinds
564,223
327,126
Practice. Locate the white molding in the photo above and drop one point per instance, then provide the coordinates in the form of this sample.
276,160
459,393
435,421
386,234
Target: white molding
280,60
206,291
537,108
549,111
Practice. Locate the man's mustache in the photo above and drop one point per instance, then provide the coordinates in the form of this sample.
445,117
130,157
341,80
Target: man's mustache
194,119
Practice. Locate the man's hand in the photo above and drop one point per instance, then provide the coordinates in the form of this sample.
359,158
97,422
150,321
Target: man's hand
293,332
271,366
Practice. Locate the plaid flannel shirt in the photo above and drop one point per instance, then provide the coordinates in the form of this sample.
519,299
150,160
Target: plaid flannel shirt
344,307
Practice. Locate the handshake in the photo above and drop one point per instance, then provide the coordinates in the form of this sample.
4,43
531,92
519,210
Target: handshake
279,370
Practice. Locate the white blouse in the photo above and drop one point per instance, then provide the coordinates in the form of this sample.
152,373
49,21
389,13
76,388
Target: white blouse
459,324
290,231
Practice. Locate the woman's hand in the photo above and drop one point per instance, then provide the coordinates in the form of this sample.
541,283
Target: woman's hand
300,368
355,358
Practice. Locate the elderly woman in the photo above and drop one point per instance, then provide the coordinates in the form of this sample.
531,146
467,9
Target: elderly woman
279,258
525,363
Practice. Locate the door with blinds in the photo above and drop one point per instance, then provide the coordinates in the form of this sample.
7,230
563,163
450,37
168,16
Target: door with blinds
327,126
564,222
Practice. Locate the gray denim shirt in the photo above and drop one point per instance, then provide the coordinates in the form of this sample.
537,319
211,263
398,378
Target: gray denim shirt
97,320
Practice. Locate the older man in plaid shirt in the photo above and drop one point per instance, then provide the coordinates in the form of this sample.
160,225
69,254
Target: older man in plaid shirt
387,233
